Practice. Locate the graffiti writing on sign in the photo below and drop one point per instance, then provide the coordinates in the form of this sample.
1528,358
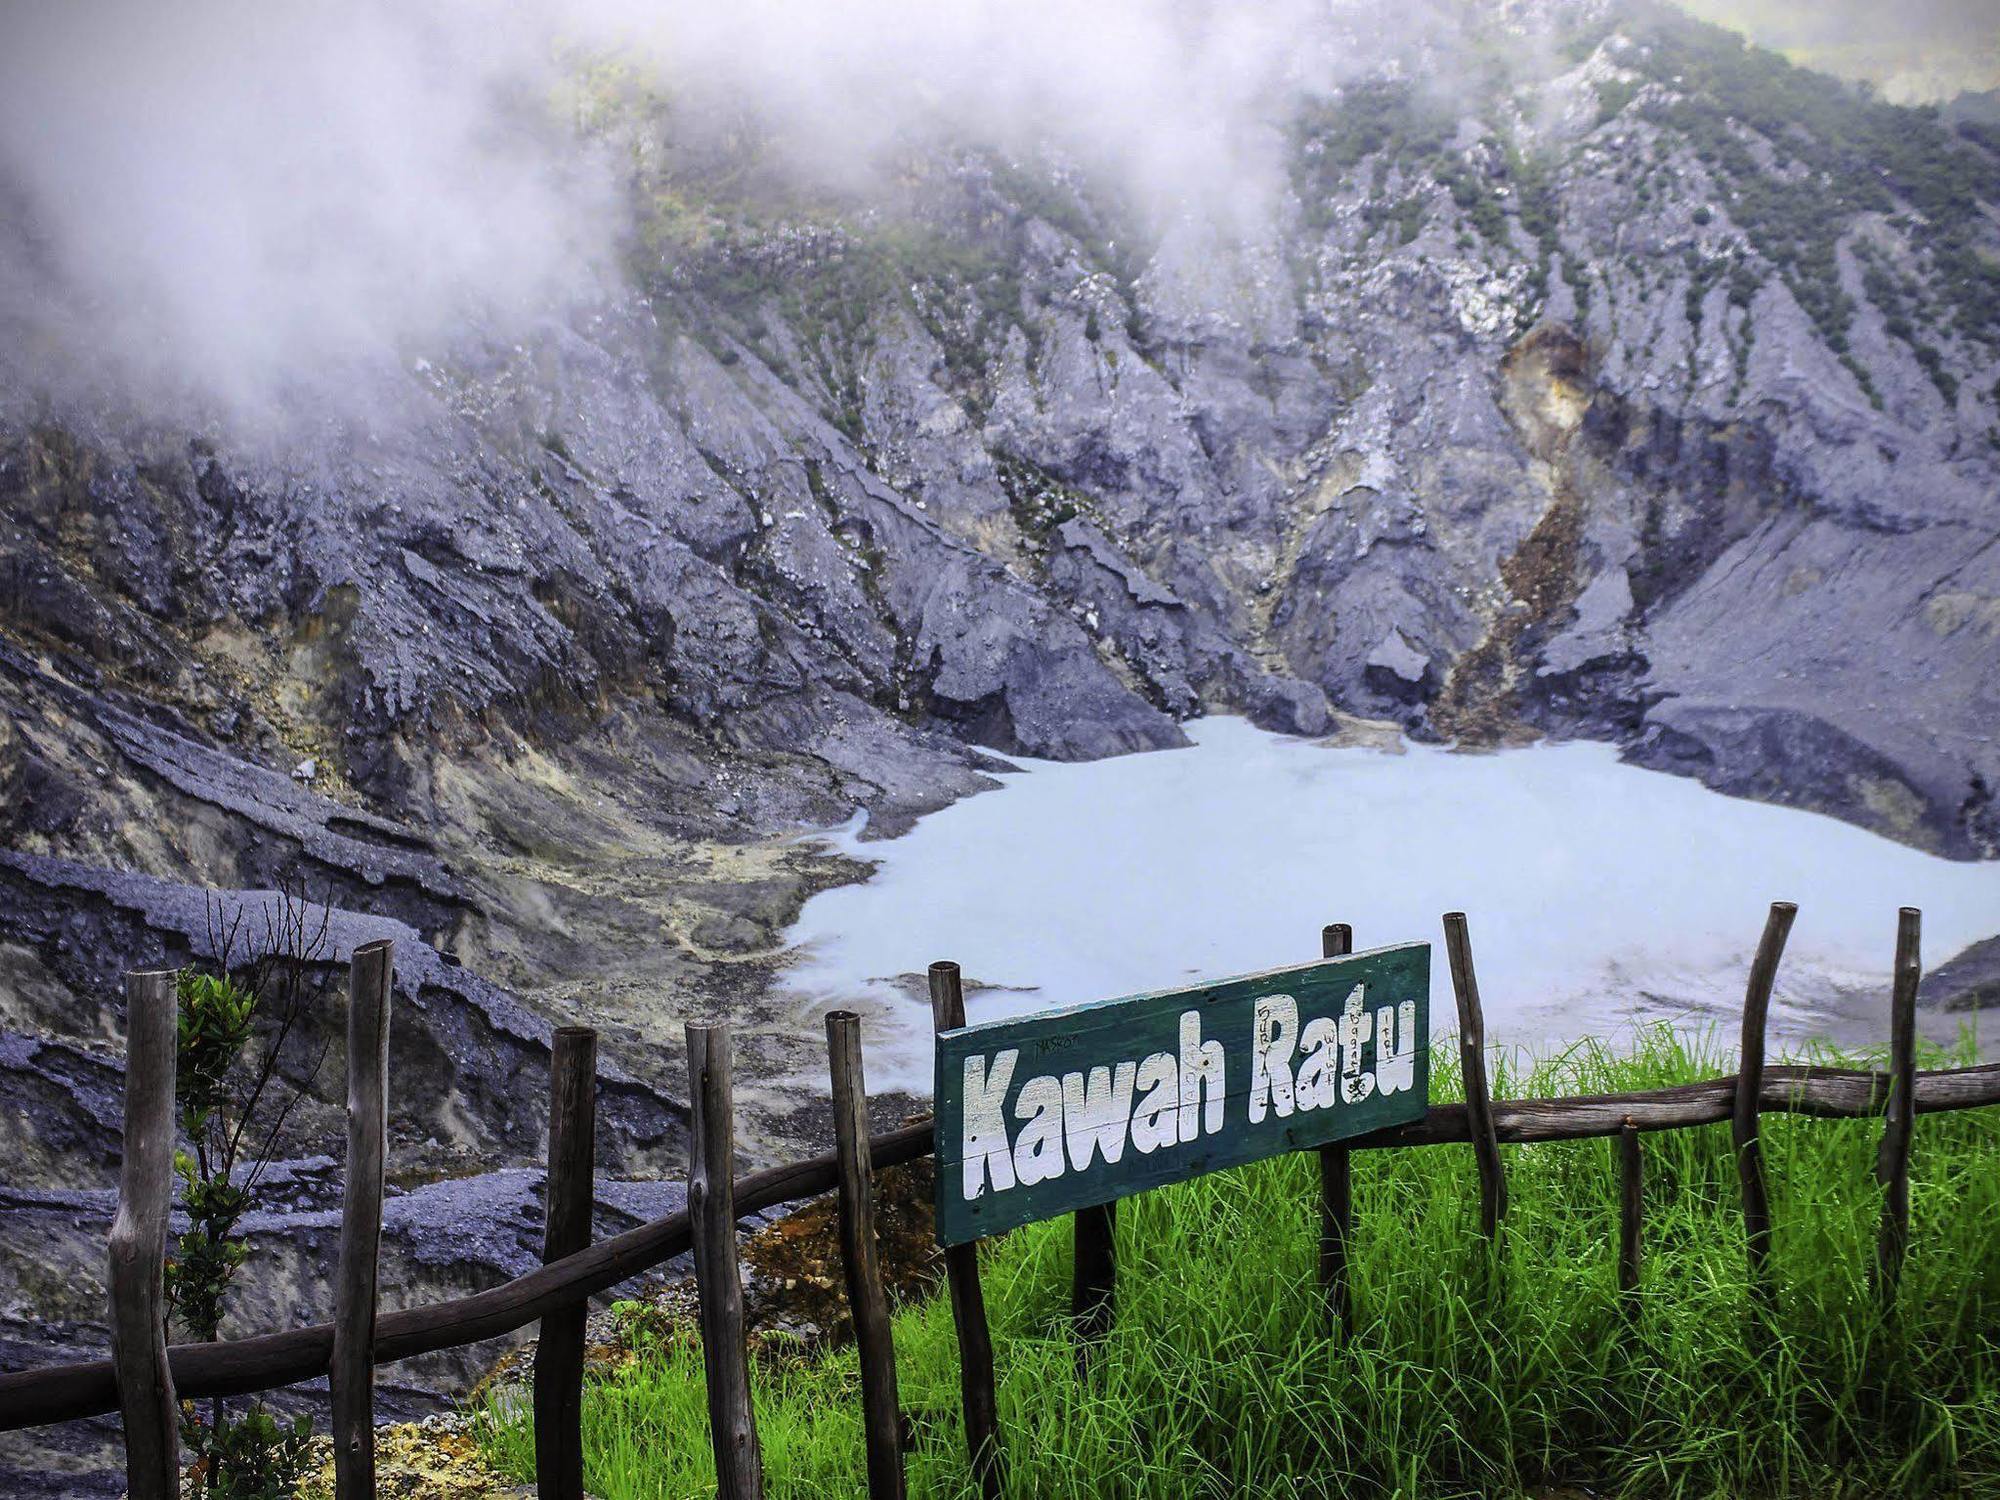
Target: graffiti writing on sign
1053,1112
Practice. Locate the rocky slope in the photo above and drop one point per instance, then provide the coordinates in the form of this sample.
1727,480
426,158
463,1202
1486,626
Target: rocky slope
1642,389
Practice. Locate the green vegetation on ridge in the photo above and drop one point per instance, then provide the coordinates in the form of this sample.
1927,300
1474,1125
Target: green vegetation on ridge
1837,153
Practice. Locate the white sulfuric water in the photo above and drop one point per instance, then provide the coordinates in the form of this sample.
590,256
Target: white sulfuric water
1597,893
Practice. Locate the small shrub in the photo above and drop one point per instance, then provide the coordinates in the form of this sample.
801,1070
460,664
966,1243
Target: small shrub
232,1116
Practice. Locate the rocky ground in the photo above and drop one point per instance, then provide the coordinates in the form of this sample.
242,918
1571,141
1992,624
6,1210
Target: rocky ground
1643,392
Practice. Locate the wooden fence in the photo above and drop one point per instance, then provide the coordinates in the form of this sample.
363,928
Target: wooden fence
144,1378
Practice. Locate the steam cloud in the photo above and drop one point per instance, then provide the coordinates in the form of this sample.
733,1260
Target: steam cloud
226,200
221,200
225,196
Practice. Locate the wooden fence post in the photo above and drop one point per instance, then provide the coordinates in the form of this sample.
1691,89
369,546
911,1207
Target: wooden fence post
1892,1159
138,1243
72,1389
1094,1279
1632,1207
351,1378
968,1301
568,1198
739,1466
1472,1063
881,1410
1336,1187
1749,1089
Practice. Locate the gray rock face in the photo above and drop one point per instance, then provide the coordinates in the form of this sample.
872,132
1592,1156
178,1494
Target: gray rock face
1614,402
466,1052
1971,981
1565,450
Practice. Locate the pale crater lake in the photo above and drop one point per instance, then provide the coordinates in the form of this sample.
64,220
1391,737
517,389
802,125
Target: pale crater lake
1598,894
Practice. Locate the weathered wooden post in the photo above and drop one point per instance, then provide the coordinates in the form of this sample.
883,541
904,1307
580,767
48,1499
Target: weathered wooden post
138,1243
1094,1279
569,1196
1749,1091
1336,1188
739,1466
351,1378
881,1410
1472,1062
968,1301
1632,1206
1892,1159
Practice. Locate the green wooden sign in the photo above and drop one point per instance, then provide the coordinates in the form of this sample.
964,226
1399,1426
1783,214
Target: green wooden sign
1054,1112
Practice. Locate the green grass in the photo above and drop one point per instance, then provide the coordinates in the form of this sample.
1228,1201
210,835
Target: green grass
1471,1374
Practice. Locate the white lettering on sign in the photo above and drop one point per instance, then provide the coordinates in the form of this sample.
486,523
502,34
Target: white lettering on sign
986,1147
1038,1153
1275,1024
1396,1062
1356,1027
1096,1112
1332,1051
1067,1123
1201,1080
1321,1041
1155,1122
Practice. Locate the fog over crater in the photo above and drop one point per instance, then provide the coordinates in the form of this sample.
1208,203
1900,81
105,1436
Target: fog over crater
226,202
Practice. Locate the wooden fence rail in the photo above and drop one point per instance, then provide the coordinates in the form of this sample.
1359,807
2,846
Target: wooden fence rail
144,1377
263,1362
